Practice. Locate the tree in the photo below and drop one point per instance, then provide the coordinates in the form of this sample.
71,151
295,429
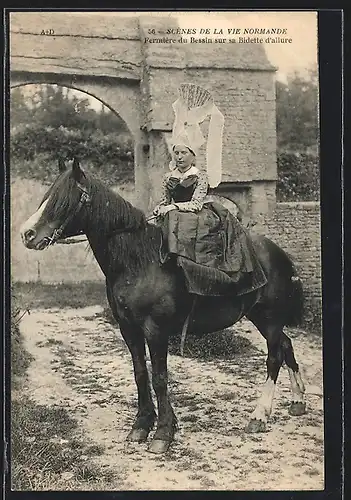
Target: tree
54,122
55,106
298,137
297,112
20,113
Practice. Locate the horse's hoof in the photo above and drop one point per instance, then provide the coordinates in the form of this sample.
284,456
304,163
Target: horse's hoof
137,436
255,425
158,446
297,408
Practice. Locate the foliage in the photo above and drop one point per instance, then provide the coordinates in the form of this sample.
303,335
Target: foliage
20,358
52,122
34,154
45,171
298,177
55,106
29,140
298,137
297,112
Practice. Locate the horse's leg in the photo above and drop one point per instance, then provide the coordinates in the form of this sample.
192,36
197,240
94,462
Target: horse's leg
135,341
273,334
146,415
298,405
167,422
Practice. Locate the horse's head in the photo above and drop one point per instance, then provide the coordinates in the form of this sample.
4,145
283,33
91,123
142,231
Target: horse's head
59,214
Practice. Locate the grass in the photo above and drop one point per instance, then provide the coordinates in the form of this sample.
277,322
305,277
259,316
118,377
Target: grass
38,295
224,345
20,358
47,450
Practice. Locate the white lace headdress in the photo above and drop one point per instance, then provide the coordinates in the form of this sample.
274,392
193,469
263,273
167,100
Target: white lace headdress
192,107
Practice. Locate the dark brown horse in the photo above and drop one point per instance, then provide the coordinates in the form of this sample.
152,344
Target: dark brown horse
151,303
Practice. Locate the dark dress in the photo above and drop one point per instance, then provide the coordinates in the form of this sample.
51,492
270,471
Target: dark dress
213,249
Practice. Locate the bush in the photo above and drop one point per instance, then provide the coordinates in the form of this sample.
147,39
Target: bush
35,152
20,358
27,141
45,170
298,177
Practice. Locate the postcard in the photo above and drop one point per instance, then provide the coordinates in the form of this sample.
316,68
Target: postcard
165,251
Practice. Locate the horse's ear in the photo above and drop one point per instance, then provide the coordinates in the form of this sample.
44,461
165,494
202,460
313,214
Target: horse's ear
77,172
61,165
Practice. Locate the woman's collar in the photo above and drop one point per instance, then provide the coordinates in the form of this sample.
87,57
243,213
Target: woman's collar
180,175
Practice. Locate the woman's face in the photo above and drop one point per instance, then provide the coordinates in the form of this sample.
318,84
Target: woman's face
183,157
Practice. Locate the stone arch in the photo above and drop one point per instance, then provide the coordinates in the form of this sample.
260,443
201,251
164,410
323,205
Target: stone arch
109,59
122,99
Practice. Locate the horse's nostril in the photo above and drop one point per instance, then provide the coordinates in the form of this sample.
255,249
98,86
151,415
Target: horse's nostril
30,234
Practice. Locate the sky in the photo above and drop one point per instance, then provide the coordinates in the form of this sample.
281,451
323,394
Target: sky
301,27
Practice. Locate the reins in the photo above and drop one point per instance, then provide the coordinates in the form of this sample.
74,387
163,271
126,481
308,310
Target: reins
70,241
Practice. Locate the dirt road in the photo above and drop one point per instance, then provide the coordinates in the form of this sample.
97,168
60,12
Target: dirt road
82,364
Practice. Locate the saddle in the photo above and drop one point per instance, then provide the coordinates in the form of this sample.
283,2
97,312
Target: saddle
213,249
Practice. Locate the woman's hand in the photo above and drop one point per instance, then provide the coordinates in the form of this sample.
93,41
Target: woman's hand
163,209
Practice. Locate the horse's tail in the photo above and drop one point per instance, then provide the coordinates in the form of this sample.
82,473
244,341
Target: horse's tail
296,301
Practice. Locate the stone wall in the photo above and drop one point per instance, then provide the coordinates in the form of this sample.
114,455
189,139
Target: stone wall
247,100
296,228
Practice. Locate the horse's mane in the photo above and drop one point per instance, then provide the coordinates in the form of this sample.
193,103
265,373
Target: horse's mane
133,240
138,245
111,210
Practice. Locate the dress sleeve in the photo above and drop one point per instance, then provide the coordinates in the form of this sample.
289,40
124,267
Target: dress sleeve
165,198
197,200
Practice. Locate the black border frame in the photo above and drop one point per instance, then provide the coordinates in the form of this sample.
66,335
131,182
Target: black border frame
330,35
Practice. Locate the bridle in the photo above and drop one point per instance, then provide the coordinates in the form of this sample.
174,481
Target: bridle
83,200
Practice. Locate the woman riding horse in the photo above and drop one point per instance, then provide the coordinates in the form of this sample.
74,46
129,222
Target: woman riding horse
211,247
151,301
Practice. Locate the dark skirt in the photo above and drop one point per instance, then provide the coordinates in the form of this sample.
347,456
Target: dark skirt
213,249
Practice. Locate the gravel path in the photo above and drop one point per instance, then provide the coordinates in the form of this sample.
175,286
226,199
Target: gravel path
82,364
